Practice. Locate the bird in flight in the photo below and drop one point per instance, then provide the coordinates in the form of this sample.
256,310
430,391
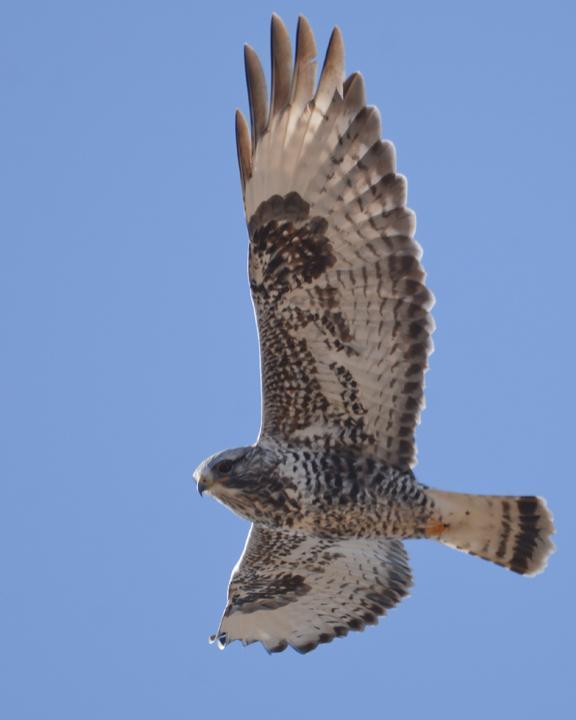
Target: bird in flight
345,329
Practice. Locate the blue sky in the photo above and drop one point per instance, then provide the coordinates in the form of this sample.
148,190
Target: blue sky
129,353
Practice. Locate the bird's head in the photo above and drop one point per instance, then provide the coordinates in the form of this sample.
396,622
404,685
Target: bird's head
234,476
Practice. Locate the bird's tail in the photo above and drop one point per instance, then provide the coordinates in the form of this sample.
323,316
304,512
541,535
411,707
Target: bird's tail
510,531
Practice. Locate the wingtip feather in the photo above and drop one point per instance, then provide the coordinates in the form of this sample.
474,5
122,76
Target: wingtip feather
257,93
243,147
332,76
281,53
354,91
305,63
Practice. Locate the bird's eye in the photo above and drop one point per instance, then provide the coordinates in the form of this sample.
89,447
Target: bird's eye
224,467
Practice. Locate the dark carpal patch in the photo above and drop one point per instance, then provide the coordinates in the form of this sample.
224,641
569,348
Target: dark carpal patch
289,247
290,208
269,593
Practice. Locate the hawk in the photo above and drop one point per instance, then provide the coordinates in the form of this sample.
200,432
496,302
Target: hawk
345,330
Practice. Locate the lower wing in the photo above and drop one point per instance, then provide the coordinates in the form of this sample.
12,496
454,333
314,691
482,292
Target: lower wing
293,589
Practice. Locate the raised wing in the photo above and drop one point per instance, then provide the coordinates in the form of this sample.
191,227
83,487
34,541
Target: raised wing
342,309
292,589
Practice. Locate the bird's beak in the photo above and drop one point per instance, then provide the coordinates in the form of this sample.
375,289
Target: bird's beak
202,485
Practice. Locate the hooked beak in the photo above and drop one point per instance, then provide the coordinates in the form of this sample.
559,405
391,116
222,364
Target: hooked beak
205,483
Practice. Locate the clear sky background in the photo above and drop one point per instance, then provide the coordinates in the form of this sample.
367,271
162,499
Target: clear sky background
129,353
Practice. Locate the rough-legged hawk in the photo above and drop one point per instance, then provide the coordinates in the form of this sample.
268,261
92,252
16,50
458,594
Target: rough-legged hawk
344,322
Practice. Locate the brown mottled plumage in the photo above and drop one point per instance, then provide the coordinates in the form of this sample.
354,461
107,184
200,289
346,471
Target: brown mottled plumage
345,332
